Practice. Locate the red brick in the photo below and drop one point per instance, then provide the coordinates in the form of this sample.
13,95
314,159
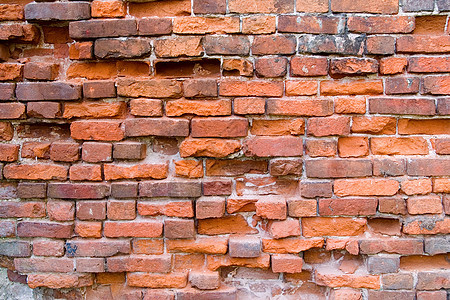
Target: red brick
353,66
389,167
47,110
301,88
96,130
35,172
41,229
160,9
82,50
12,110
381,45
428,64
180,107
202,25
143,171
38,91
48,248
226,45
244,246
356,87
436,85
321,148
319,226
121,210
11,12
443,106
31,190
200,88
146,107
366,187
424,205
59,280
402,85
182,209
41,71
204,280
133,229
108,9
209,207
10,71
353,146
316,189
434,126
219,127
90,265
273,146
60,210
154,280
208,245
251,88
189,168
261,7
155,88
37,264
78,190
286,263
158,264
234,66
97,248
96,152
210,7
57,11
208,147
234,167
427,226
302,208
117,48
274,45
431,295
393,245
286,228
308,24
99,89
102,28
283,167
258,25
287,107
10,209
64,151
158,127
328,126
228,224
423,44
393,65
9,152
347,207
217,187
176,189
336,168
8,229
392,206
398,146
428,167
350,105
179,228
154,26
271,208
7,91
88,229
385,7
381,24
317,6
91,210
85,172
271,67
374,125
249,106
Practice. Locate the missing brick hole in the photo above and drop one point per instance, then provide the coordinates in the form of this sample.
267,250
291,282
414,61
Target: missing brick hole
188,68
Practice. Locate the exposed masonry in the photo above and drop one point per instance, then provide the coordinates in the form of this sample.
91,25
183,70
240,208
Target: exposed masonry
213,149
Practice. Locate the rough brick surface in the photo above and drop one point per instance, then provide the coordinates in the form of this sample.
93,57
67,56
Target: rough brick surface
195,149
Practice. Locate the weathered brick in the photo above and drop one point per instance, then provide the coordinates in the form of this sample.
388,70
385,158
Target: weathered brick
386,7
428,167
381,24
57,11
154,26
283,167
59,280
274,44
96,130
258,24
133,229
244,246
402,85
41,229
108,9
210,6
254,6
47,110
423,44
414,5
12,111
170,189
355,87
327,168
163,127
226,45
234,167
353,66
398,146
78,190
156,88
7,91
38,91
180,107
366,187
347,207
97,248
116,48
273,146
40,71
35,172
288,107
393,65
428,64
219,127
328,126
271,67
102,28
159,264
15,248
308,24
346,44
320,226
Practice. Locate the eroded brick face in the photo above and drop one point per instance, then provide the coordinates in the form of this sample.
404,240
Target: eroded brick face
197,149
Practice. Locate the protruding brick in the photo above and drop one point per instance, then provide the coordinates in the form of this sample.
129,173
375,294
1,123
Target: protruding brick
108,9
271,208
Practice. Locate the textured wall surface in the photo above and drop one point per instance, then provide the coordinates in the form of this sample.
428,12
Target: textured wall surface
213,149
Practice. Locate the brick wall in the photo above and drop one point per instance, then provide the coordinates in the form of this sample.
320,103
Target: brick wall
212,149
